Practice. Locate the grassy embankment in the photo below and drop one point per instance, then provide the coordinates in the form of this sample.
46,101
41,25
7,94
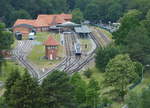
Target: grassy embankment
38,52
107,33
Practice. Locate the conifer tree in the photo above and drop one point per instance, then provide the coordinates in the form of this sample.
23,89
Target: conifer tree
80,89
25,93
92,94
57,91
10,82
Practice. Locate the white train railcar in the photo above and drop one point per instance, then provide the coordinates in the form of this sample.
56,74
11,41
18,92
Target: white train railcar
77,49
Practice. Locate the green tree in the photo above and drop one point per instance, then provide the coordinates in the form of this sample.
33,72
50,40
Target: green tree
25,93
146,23
120,72
59,6
18,14
57,91
138,44
6,38
71,4
145,98
92,94
79,89
103,55
148,15
139,100
88,73
129,21
77,16
81,4
114,11
142,5
133,100
13,77
139,69
91,12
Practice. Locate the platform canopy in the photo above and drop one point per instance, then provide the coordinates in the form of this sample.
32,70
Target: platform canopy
82,29
68,24
54,27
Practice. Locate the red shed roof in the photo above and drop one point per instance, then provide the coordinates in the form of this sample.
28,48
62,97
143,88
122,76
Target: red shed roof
24,21
51,42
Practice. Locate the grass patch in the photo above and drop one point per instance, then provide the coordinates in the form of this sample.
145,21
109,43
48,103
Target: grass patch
36,56
96,74
14,44
38,52
85,42
42,36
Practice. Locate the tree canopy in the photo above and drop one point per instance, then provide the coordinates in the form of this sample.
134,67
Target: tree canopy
142,100
93,10
57,91
120,72
103,56
77,16
24,93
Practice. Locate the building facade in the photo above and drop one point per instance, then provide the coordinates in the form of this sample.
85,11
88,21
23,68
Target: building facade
51,48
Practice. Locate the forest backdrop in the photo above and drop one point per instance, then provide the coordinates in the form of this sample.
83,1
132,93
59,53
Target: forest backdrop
93,10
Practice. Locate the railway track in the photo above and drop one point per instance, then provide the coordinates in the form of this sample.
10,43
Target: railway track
88,58
57,67
69,64
106,40
20,53
29,67
74,60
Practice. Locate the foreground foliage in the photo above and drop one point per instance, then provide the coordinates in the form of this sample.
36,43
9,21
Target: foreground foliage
23,92
57,90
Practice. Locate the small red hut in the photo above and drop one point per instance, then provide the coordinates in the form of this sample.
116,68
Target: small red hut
51,48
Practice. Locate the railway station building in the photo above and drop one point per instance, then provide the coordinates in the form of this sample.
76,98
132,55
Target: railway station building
51,48
83,31
43,23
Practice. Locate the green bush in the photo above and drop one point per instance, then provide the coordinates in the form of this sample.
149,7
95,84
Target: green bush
88,73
